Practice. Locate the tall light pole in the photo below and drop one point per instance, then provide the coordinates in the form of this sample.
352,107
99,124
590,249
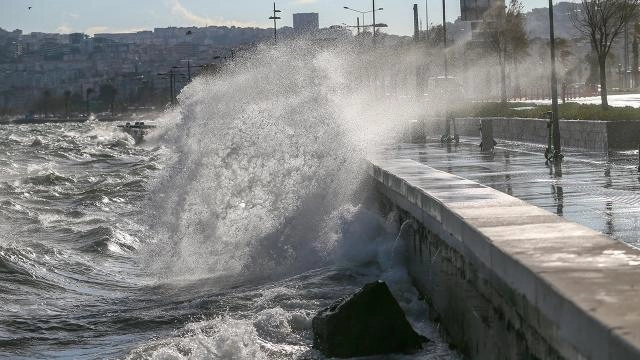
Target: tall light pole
426,12
363,13
275,18
374,18
444,40
626,55
171,75
554,89
189,67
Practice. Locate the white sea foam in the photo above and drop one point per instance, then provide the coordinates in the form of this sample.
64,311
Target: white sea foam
266,182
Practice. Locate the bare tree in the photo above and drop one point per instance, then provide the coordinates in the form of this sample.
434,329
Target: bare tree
602,21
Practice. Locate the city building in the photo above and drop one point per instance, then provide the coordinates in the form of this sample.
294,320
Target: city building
306,22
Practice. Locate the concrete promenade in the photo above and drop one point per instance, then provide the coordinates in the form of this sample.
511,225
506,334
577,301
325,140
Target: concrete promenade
505,278
598,190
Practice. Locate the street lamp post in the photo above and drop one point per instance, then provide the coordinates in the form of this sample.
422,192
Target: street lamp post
557,156
444,40
374,19
189,67
171,76
363,13
275,18
426,13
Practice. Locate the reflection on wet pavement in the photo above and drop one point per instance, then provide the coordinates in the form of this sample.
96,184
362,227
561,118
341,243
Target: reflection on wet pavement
601,191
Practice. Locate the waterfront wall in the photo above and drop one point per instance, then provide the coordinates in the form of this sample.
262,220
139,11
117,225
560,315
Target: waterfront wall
581,134
508,280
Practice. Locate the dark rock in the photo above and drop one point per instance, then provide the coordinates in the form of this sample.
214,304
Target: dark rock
36,142
369,322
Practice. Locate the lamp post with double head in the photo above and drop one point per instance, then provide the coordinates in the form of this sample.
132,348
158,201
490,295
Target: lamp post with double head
363,13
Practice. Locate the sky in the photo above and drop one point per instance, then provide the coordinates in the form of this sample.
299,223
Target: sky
96,16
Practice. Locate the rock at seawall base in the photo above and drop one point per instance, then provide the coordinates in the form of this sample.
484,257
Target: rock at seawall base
36,142
369,322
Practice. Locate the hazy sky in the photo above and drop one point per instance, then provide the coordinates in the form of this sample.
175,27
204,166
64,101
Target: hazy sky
91,16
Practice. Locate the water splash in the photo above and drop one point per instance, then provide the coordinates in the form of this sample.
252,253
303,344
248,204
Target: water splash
265,156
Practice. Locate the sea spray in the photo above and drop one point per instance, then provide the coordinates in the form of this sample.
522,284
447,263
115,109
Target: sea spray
264,158
266,189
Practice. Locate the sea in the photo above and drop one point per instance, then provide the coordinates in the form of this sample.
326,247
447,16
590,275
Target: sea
220,236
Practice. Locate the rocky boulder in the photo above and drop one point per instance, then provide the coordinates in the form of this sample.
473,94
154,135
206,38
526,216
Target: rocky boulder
369,322
36,142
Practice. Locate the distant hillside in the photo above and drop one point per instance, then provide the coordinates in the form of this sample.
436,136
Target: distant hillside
222,36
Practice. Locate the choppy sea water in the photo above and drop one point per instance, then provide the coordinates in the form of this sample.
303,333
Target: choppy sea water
219,237
75,279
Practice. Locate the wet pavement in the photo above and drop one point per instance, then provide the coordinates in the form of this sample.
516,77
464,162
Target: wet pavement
600,191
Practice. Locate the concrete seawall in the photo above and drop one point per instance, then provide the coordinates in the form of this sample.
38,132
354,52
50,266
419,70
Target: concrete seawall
582,134
508,280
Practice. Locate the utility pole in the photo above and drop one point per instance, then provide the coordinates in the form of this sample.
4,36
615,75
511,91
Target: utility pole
444,31
416,39
634,69
275,18
416,31
189,67
358,24
554,89
426,12
374,21
172,86
502,20
172,80
626,56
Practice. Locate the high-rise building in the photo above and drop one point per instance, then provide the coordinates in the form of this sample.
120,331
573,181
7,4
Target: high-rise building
306,22
76,38
473,10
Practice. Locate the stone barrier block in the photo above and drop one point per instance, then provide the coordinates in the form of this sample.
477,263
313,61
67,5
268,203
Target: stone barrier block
564,288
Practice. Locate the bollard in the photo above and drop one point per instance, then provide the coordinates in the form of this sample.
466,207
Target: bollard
548,152
456,137
446,137
486,133
450,122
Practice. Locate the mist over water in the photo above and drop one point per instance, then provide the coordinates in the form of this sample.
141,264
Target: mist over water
225,232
